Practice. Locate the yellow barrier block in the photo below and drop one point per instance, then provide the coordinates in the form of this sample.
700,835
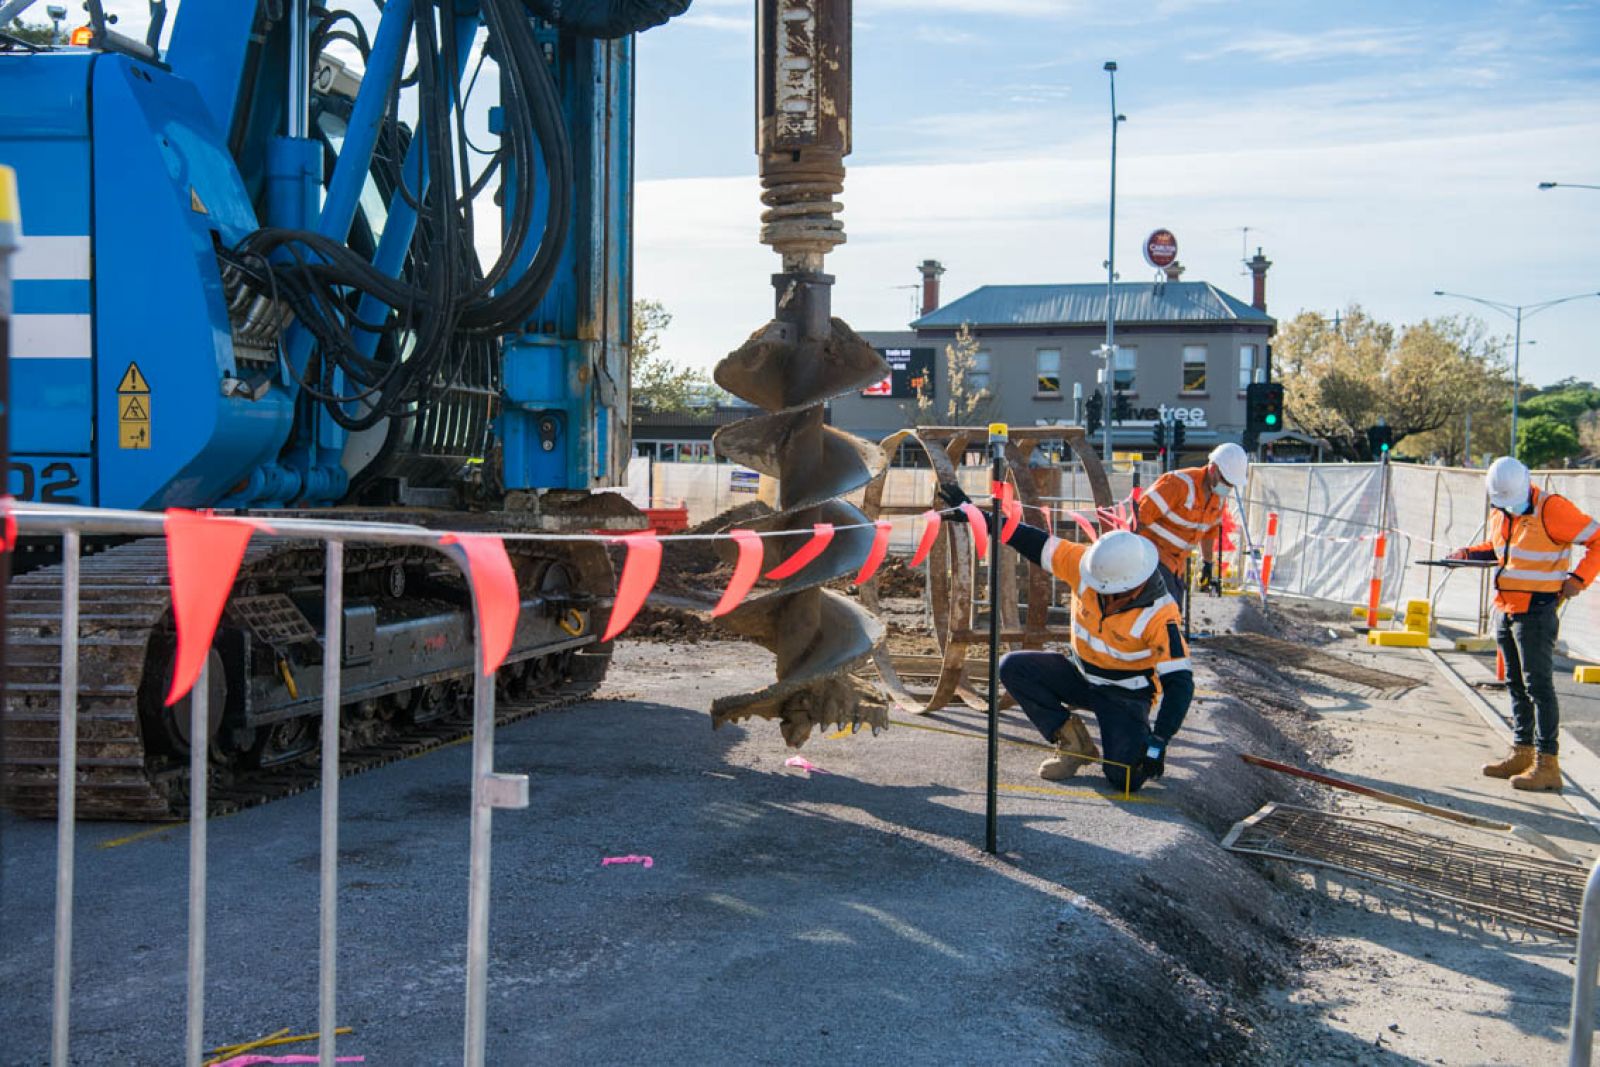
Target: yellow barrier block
1420,626
1586,675
1360,612
1397,638
1418,607
1475,644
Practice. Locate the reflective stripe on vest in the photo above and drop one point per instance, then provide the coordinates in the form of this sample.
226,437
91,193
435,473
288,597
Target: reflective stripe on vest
1116,650
1532,561
1177,525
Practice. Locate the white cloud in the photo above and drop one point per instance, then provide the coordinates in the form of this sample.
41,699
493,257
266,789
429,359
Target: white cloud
1280,47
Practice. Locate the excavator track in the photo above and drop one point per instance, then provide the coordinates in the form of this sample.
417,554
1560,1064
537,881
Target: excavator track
128,766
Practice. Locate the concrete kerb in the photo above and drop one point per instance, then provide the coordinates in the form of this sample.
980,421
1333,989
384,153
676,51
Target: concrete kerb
1579,766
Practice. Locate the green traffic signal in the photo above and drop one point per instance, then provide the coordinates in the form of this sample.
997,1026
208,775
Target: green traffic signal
1272,420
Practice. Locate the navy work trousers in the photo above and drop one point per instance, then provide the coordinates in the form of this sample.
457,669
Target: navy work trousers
1528,643
1049,685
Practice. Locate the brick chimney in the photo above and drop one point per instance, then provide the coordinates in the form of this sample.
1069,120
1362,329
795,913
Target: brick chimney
1174,270
931,269
1258,271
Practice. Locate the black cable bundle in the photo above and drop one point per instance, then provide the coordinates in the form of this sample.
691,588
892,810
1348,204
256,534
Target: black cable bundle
444,293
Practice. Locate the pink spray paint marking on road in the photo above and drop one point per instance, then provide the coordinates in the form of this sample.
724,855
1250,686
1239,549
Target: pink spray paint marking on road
612,861
804,764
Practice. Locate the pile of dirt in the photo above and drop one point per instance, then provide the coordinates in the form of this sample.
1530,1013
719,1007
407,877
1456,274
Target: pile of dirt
701,570
658,622
898,578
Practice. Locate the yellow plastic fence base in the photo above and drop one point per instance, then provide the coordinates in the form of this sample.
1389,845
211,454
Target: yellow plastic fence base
1480,643
1397,638
1360,612
1586,675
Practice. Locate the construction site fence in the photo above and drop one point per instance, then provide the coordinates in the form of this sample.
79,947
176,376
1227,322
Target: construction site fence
1329,517
487,789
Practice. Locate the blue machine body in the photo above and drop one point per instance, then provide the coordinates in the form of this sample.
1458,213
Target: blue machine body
130,386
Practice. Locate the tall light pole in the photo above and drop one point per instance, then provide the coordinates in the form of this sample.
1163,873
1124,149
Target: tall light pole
1566,185
1517,312
1108,408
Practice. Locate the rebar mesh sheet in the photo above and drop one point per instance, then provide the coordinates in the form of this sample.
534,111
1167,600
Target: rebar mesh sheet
1276,652
1530,890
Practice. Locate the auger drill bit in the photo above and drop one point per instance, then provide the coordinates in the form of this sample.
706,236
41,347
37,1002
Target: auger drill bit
794,364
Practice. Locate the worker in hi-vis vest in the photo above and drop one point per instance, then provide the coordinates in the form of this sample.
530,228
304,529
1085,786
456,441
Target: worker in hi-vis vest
1531,534
1127,656
1183,508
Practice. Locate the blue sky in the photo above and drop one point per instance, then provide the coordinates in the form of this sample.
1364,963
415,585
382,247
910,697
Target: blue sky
1376,151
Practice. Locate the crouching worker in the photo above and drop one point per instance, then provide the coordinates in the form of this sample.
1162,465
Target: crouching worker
1127,653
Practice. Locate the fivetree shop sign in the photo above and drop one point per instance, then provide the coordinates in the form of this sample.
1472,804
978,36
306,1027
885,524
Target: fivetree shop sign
909,368
1191,417
1161,249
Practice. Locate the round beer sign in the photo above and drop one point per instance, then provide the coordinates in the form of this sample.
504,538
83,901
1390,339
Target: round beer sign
1161,249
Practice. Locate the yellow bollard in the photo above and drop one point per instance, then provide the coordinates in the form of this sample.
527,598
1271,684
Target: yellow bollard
1397,638
1588,675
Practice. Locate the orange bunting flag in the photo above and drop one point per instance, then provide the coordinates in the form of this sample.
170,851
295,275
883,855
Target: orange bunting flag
494,594
931,520
7,504
1087,526
639,573
980,529
745,572
880,548
821,534
203,557
1013,513
1046,520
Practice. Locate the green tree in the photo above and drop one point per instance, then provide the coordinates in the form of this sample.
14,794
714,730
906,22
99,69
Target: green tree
33,33
658,384
966,402
1422,379
1544,441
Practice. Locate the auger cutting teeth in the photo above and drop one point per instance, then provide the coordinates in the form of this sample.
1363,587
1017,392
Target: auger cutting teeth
761,444
778,372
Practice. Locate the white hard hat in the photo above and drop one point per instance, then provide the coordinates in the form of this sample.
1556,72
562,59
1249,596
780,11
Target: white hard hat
1118,562
1232,462
1508,484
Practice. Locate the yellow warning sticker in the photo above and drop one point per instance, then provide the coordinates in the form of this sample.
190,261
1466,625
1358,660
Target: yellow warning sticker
133,381
133,409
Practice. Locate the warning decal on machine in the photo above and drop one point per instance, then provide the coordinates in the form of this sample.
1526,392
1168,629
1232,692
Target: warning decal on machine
133,409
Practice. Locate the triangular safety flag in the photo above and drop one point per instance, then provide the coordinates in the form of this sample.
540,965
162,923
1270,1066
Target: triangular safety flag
880,548
8,536
821,534
931,520
203,557
494,594
639,573
1084,524
1013,513
745,572
1046,520
980,529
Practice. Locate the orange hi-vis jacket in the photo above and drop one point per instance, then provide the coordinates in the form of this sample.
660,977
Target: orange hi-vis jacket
1534,550
1130,649
1177,512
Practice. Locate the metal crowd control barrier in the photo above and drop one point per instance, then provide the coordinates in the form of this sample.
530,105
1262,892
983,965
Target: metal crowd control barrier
489,790
1580,1040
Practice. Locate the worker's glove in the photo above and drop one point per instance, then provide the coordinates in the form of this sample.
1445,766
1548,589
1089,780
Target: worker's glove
1154,762
954,496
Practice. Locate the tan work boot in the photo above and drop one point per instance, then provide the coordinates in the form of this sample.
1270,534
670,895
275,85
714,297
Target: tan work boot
1072,744
1544,778
1521,759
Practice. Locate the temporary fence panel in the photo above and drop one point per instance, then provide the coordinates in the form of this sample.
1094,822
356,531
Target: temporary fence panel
706,489
1327,526
1580,619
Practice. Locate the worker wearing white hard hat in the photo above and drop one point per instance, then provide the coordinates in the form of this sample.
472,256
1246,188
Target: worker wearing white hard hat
1127,654
1183,508
1531,536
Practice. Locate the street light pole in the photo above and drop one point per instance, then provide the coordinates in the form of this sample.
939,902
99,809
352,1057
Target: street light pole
1516,312
1108,408
1566,185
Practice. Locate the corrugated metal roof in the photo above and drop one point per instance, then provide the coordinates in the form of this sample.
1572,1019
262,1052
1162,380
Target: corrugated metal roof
1074,305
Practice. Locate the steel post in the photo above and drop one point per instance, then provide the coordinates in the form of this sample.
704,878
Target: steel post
478,877
996,524
332,660
199,744
1580,1039
66,801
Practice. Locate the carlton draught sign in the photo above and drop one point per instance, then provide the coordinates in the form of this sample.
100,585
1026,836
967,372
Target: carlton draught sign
909,368
1161,249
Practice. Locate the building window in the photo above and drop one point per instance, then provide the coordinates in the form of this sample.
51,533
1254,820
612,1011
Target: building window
978,378
1194,368
1048,378
1247,366
1125,370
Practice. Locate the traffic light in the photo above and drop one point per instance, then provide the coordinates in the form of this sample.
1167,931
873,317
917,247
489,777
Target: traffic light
1264,407
1380,439
1158,434
1123,409
1178,434
1093,411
